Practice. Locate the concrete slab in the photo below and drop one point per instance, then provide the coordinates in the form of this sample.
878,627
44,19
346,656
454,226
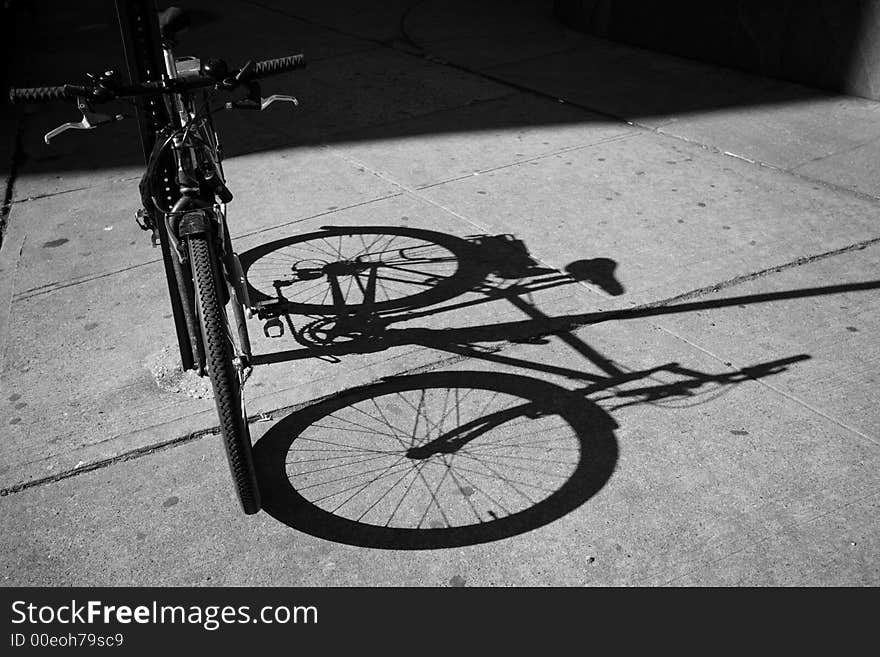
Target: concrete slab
483,52
789,133
76,366
477,138
839,547
70,238
710,217
854,168
487,34
837,317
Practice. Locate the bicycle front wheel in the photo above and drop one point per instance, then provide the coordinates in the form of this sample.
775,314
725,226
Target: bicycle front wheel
224,376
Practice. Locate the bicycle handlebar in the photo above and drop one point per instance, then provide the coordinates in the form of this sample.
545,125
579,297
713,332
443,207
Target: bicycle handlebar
99,93
40,94
280,65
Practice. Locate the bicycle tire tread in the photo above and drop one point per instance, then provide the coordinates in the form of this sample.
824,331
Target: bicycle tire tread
218,361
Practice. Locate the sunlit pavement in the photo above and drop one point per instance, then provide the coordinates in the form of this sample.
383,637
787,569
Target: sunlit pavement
644,353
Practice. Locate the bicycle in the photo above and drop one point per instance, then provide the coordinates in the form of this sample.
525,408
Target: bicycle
184,196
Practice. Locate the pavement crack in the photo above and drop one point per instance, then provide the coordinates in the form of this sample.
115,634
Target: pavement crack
192,436
28,199
411,191
844,151
104,463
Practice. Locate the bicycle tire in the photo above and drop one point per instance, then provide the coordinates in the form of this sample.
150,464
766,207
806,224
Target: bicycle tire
427,267
222,373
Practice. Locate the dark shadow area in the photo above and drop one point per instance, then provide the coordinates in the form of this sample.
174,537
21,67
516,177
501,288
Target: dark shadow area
361,84
448,459
368,467
452,458
826,43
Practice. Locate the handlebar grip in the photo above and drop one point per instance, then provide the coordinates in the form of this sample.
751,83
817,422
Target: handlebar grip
280,65
40,94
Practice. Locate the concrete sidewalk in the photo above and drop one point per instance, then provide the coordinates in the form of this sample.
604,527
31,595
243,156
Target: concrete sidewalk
678,384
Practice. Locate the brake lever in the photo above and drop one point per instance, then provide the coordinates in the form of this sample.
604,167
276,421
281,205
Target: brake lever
255,101
90,120
265,102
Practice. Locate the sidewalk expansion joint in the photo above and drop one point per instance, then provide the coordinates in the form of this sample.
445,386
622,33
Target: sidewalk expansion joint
275,414
851,149
103,463
48,288
864,196
744,278
411,191
806,405
28,199
534,158
9,184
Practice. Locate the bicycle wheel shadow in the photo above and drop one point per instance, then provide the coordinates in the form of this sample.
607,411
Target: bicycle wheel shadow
435,460
455,458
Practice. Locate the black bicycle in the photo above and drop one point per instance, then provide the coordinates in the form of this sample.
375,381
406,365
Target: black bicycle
184,196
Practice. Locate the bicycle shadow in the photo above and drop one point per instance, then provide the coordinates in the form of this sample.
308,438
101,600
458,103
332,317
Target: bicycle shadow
421,462
402,464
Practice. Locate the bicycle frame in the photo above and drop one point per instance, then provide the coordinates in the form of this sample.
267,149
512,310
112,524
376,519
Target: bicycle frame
139,27
198,182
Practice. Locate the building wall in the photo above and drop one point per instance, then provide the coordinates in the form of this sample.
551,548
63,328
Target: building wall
833,44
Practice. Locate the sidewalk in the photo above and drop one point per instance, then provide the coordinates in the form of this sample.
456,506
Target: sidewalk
739,214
